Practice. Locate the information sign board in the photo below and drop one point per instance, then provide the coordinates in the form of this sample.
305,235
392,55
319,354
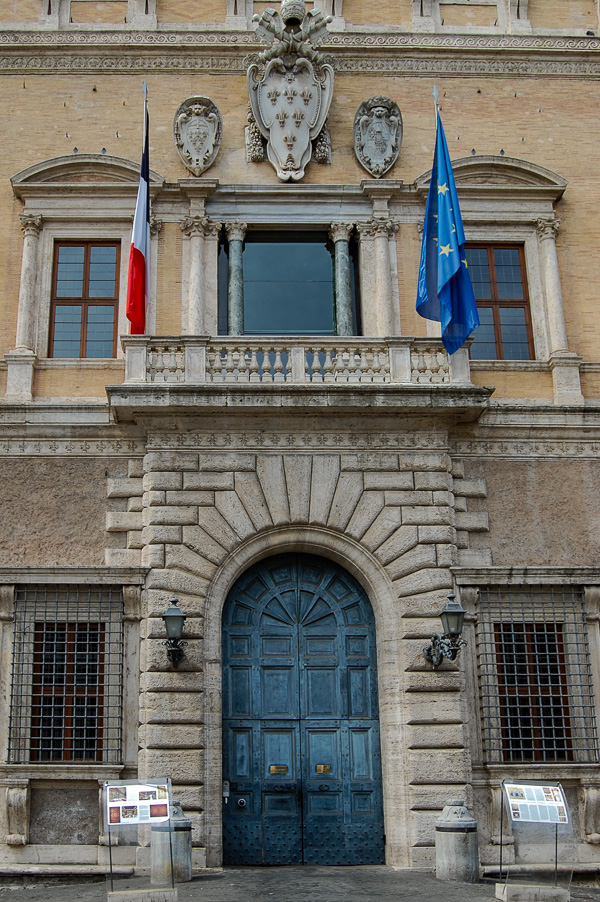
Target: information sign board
129,804
537,803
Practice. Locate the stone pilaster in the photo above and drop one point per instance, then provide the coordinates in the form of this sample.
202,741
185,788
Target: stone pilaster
376,273
236,232
202,271
564,363
340,233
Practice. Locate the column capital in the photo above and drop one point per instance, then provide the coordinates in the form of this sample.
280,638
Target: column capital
341,231
192,226
547,228
31,224
236,230
377,228
155,225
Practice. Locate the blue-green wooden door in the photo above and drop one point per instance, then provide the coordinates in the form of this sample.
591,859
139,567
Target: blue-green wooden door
300,717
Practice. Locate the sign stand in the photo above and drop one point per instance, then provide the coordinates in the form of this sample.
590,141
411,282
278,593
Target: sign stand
130,807
532,807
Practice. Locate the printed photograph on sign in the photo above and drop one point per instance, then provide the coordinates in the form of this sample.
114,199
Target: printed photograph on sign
159,810
117,794
115,815
129,812
147,795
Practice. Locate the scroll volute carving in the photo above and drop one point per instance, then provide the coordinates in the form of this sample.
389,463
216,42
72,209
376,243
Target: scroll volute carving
17,814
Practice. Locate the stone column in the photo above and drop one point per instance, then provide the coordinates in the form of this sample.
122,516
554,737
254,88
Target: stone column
30,226
155,230
564,363
193,228
236,232
518,22
376,275
425,15
340,233
547,229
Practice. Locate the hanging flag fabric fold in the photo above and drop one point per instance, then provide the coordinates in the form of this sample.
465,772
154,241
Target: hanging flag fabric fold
139,255
445,293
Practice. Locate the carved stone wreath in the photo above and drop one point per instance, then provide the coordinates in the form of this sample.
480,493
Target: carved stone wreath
377,135
197,130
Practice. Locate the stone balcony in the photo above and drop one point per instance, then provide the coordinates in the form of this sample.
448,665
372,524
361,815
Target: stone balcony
183,373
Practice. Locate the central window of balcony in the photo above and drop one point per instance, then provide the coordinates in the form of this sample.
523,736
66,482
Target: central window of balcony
288,285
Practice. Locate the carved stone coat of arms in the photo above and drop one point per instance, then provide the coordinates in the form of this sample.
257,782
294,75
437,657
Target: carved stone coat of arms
291,96
197,129
377,135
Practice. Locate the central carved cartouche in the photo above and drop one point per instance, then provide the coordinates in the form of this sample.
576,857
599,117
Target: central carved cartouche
290,86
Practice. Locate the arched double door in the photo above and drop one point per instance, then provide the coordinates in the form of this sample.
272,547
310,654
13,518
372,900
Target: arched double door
300,717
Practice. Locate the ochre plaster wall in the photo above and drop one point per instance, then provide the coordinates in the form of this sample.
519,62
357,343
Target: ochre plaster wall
541,513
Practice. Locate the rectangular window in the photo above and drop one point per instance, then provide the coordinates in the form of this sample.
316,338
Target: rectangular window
85,290
500,286
67,675
535,678
288,284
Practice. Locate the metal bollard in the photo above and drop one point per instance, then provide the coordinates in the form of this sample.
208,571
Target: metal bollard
179,845
456,846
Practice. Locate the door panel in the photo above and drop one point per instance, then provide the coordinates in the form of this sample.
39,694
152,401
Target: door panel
300,722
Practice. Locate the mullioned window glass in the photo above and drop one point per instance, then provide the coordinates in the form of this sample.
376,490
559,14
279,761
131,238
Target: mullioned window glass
499,283
84,273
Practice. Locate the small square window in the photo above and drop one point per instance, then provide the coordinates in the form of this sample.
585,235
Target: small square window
84,300
500,286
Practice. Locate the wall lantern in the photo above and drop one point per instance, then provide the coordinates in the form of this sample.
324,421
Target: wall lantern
449,643
174,618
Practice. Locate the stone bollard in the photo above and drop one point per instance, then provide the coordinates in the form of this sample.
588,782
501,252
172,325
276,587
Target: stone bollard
456,847
179,846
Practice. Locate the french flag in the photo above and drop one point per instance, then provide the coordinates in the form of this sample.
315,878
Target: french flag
139,255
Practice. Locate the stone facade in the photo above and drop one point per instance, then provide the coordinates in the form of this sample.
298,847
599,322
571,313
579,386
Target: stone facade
198,450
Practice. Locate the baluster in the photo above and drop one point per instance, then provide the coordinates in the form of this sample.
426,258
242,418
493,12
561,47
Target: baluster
210,364
307,367
328,366
340,373
150,365
229,365
353,365
364,366
278,367
172,365
160,365
254,367
266,366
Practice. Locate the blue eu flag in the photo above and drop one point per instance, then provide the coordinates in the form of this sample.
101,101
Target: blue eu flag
445,293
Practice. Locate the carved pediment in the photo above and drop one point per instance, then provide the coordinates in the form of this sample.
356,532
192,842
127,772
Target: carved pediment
80,169
504,174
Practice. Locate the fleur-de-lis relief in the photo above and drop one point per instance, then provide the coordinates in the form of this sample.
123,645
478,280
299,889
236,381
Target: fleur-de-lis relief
306,96
297,117
281,117
273,94
289,94
290,140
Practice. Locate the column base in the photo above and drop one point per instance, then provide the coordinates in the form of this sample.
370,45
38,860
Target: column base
19,377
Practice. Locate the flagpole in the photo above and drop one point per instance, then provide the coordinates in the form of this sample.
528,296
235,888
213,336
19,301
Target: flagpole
436,94
145,90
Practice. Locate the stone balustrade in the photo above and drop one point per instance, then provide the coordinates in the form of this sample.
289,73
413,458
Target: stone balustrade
292,361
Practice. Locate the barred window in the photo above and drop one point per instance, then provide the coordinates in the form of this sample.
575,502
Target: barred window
535,675
67,674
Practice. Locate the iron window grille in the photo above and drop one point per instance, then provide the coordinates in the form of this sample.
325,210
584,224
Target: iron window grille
535,675
67,675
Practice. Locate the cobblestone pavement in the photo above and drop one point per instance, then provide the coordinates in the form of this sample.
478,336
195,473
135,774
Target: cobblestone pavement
290,884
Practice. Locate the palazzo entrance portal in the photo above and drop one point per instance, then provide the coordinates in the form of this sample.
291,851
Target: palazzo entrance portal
300,717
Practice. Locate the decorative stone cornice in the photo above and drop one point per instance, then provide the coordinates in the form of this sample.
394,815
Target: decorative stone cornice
435,54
